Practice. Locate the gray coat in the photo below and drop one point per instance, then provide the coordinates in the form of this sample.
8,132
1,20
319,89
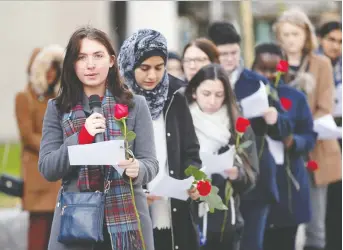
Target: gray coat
54,163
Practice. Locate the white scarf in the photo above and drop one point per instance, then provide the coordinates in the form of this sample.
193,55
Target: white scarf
212,130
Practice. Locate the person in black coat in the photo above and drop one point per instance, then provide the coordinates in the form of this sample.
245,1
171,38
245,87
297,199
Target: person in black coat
142,62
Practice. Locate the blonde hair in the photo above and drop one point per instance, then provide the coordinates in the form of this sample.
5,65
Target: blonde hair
299,18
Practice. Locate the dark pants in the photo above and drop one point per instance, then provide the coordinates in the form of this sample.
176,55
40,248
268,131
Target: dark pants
334,217
280,238
39,230
163,239
334,211
229,242
255,215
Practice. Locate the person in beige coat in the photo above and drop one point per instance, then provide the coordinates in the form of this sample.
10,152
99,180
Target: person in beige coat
312,74
39,196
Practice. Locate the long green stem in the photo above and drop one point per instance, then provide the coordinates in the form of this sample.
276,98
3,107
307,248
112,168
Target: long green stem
132,192
137,214
228,194
125,133
289,187
278,76
237,140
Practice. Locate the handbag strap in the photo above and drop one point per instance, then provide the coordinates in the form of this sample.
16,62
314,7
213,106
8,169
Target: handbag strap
4,158
106,186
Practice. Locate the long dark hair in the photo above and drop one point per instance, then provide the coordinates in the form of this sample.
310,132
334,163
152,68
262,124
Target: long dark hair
71,91
216,72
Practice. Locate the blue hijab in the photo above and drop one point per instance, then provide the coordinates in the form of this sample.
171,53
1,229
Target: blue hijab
140,46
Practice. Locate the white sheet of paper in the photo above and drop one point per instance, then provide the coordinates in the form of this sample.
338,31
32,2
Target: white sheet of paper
326,128
277,150
255,104
337,112
167,186
216,164
119,169
100,153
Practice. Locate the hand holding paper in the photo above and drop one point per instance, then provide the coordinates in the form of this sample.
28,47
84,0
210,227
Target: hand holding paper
232,173
270,115
130,166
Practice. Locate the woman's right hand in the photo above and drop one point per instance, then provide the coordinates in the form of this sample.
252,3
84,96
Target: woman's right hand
95,124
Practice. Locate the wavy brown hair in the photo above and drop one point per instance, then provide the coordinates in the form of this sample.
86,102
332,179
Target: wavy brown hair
71,91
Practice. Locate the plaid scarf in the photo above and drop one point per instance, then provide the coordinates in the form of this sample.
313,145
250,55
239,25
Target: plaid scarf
121,220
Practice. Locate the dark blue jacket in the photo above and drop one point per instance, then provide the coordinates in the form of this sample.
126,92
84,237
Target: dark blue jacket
282,214
266,188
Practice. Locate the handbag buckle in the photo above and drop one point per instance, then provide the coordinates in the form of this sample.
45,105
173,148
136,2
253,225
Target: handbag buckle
107,186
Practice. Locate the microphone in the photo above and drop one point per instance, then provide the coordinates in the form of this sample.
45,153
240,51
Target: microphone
95,106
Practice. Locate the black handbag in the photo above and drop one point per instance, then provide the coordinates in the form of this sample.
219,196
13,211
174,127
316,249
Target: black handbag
82,215
10,185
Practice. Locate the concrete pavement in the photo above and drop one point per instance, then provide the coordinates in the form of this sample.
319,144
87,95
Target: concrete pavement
13,229
14,224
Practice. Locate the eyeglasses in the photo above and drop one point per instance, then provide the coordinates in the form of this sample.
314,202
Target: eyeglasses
196,60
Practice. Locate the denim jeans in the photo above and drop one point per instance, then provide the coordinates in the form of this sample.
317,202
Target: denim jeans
315,229
255,215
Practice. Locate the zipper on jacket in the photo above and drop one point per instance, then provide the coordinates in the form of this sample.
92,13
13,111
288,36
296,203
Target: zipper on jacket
165,116
78,205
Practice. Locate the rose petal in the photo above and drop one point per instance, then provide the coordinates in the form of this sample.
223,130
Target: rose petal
121,111
286,103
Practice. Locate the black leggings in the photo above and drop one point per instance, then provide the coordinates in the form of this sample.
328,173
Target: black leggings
334,210
280,238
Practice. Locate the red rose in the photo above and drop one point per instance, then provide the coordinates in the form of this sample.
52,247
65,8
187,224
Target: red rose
242,124
282,66
312,166
121,111
286,103
204,187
